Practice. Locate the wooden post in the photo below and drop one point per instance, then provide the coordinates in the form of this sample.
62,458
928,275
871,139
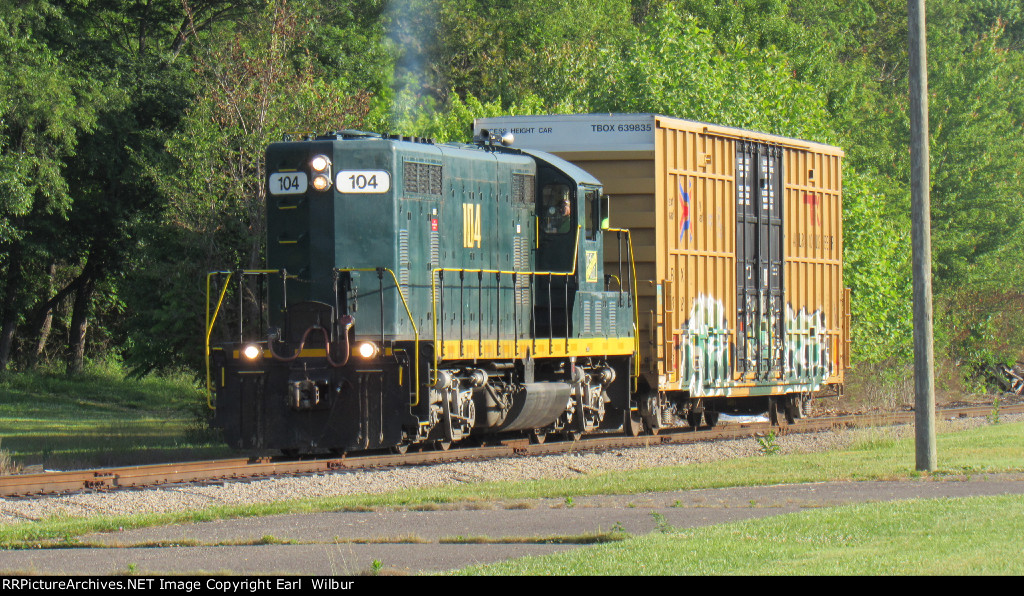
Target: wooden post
924,377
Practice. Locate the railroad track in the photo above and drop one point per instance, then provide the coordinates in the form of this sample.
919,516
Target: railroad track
25,485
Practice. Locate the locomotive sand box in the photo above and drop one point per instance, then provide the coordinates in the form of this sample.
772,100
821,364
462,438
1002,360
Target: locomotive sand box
422,294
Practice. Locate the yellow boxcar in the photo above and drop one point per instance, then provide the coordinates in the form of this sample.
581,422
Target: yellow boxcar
738,242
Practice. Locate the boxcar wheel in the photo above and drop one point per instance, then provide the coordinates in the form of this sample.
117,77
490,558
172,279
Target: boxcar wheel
650,411
632,422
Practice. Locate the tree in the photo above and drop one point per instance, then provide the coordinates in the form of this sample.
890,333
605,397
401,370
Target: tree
44,106
674,67
251,87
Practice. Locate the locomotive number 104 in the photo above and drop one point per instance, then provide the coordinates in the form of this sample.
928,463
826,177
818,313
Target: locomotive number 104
363,181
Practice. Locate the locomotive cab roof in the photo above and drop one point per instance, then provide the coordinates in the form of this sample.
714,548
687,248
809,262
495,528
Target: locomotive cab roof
575,172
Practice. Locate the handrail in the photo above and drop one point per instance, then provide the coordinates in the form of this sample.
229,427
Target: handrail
433,287
209,329
210,322
405,303
636,308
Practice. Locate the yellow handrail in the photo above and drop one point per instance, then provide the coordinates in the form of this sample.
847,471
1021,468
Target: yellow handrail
433,287
636,309
209,329
210,322
416,332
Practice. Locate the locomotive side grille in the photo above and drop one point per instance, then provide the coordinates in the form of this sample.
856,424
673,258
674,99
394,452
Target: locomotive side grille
422,178
586,317
598,317
612,326
435,250
403,261
523,188
520,256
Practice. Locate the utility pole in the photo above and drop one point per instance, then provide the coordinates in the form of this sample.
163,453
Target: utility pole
921,238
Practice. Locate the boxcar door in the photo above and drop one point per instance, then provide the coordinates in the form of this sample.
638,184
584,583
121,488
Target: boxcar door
760,312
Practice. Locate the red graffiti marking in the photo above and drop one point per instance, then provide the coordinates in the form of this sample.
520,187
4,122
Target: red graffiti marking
812,200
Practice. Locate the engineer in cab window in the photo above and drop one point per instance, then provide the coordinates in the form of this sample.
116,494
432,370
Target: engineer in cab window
557,209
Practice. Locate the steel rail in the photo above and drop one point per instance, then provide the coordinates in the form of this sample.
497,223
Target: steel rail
24,485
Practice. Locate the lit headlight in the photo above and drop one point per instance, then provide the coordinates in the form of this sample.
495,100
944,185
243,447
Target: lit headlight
321,182
252,352
320,163
367,349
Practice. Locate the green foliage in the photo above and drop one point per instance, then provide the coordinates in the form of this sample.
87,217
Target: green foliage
981,330
450,123
253,86
768,444
674,67
660,523
876,253
498,50
131,137
251,89
44,104
977,147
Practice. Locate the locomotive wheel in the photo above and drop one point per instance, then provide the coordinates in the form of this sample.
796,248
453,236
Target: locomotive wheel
711,418
401,449
442,445
693,419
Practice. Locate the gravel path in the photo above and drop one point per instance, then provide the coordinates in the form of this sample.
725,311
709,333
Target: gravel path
380,481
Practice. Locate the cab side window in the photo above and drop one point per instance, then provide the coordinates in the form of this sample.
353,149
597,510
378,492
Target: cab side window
556,209
593,217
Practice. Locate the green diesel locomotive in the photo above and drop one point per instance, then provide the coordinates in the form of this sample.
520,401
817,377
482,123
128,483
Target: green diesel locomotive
423,294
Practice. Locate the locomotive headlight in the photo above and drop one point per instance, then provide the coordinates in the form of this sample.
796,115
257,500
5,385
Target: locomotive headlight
321,167
367,349
251,352
320,163
321,182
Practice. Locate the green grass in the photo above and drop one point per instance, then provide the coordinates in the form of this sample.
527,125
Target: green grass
998,448
972,536
101,418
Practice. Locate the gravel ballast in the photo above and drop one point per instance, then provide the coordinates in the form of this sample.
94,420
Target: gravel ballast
191,498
